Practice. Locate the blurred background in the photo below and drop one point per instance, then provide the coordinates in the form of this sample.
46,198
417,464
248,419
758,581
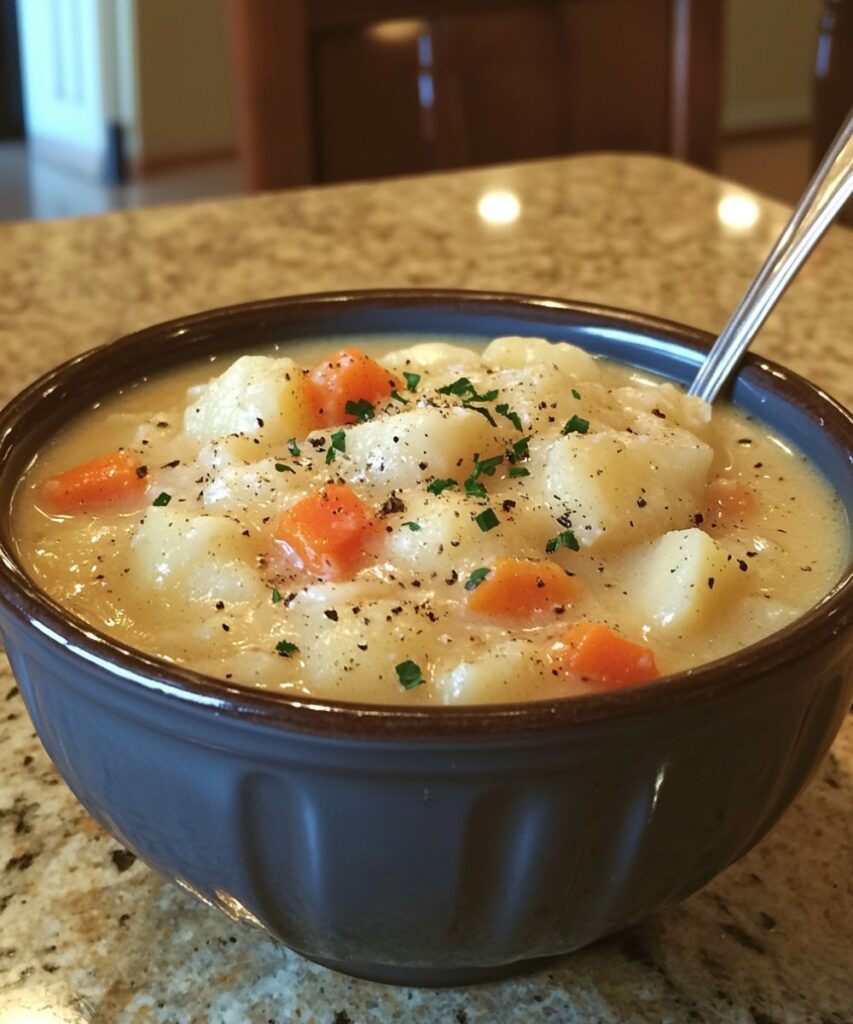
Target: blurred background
108,104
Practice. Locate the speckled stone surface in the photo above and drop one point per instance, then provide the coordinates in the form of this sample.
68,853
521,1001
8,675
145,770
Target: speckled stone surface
89,934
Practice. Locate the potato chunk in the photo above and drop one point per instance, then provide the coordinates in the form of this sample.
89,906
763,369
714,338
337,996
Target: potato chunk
196,558
352,652
618,487
650,410
419,445
514,352
516,669
687,579
259,398
449,538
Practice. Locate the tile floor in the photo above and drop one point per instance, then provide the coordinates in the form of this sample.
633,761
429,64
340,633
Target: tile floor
775,165
41,190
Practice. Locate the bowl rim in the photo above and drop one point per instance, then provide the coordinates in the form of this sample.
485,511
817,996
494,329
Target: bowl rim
134,671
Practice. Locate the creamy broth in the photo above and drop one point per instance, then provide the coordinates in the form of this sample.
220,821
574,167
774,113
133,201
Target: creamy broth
499,499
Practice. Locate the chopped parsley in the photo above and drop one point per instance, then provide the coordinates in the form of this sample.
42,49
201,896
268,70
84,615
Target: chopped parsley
162,500
414,527
281,467
437,486
519,471
476,578
463,388
575,393
362,410
481,411
487,520
293,448
519,451
285,648
576,425
486,467
337,443
503,409
276,596
566,539
412,380
409,674
459,387
399,398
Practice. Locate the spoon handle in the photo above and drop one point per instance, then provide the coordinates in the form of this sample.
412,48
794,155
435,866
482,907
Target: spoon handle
827,192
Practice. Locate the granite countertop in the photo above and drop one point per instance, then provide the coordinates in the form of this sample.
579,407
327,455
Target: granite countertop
87,933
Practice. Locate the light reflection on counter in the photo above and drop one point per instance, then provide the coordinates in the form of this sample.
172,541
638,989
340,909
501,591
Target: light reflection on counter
738,212
499,207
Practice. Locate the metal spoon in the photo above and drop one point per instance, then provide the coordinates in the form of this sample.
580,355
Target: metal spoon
827,192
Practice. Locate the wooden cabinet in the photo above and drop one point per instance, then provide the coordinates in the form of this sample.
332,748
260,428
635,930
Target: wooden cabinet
833,92
331,90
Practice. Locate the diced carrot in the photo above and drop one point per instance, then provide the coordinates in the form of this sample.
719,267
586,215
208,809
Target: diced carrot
598,654
728,501
347,376
517,589
113,482
326,533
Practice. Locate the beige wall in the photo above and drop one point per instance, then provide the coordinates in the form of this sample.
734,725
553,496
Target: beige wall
769,56
183,88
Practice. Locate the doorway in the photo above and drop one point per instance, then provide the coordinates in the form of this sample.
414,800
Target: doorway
11,99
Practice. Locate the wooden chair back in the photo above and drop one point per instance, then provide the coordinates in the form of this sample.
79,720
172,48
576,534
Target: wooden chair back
329,90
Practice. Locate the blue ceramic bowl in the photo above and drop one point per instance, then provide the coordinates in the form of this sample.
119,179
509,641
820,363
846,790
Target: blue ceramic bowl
438,845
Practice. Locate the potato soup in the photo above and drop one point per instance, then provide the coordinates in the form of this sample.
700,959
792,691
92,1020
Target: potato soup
428,523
